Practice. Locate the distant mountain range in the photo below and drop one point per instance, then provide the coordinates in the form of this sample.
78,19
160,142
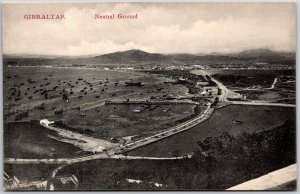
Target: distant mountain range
138,57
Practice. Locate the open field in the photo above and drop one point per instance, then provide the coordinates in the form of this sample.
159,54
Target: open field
121,120
248,119
263,85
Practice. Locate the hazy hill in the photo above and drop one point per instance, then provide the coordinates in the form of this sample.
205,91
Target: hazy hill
138,57
131,56
265,53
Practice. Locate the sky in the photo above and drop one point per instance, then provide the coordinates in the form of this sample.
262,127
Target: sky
196,28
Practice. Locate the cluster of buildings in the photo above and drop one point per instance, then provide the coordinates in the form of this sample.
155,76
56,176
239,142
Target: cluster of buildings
64,182
198,66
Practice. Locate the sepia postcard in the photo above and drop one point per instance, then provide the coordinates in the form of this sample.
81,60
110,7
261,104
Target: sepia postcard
149,96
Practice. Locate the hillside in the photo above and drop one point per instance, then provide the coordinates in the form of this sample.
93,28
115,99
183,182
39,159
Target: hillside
138,57
131,56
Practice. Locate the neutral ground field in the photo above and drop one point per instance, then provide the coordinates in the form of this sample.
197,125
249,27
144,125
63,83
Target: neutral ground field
253,119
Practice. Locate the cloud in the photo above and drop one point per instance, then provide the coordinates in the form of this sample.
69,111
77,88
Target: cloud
163,28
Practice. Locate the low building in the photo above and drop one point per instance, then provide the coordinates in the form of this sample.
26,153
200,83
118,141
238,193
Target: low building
204,93
64,182
10,183
236,97
182,80
211,90
202,83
